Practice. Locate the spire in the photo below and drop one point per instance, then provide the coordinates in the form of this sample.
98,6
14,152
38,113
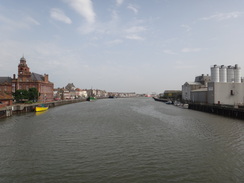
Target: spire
22,58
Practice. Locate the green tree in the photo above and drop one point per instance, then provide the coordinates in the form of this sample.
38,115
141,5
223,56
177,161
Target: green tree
21,95
33,94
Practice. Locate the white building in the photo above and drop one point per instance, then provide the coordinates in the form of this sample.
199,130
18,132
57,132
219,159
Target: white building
226,87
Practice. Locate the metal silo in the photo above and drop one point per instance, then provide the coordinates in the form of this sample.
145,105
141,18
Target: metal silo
215,73
230,74
222,74
237,74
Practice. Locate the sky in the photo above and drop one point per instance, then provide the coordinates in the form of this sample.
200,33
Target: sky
142,46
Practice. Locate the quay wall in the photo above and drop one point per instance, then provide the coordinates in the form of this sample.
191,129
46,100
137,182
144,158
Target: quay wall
226,111
23,108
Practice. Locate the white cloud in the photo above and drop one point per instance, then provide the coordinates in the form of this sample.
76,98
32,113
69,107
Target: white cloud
8,24
86,28
132,32
134,37
133,8
114,42
84,8
119,2
59,15
223,16
186,27
188,50
135,29
170,52
32,21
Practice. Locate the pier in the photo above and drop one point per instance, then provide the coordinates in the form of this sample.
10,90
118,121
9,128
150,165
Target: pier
227,111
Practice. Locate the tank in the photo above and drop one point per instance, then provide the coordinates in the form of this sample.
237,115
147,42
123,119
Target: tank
215,73
222,74
237,74
230,74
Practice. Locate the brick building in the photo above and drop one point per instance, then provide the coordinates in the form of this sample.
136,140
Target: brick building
27,79
6,91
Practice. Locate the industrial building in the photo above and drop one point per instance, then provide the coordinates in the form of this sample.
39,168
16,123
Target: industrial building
226,87
200,83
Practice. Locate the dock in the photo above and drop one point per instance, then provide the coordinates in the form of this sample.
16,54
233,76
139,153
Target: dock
222,110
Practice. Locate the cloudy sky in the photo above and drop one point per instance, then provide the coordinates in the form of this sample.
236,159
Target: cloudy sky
141,46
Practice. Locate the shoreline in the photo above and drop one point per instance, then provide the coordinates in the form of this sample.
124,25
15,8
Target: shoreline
8,111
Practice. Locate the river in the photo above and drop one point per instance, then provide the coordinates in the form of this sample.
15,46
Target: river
130,140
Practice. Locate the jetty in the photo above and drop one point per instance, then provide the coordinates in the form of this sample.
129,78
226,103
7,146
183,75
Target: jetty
222,110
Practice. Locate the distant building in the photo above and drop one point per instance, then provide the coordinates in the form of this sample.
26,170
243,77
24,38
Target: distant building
188,87
27,79
172,93
70,86
81,93
226,87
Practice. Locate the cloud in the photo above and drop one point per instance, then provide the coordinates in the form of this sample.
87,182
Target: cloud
188,50
132,32
13,25
84,8
119,2
135,29
115,42
32,20
86,28
223,16
59,15
134,37
170,52
186,27
133,8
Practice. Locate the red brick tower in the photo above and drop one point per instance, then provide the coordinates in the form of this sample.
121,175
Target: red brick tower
24,73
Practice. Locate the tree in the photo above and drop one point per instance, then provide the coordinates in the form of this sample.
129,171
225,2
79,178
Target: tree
24,95
21,95
33,94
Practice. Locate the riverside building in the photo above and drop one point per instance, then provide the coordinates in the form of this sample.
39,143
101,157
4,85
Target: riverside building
226,87
24,81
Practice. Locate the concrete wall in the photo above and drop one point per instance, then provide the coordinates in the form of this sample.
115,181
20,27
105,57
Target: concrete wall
199,96
226,93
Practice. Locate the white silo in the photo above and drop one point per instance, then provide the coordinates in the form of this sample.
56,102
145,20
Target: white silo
215,73
230,74
222,74
237,74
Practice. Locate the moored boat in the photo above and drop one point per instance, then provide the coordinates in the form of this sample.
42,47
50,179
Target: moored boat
91,99
160,99
41,108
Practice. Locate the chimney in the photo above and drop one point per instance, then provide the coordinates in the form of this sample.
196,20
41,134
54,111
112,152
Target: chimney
45,77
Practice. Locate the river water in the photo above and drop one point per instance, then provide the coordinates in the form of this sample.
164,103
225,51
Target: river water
133,140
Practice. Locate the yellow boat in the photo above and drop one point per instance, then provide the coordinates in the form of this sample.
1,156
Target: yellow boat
41,108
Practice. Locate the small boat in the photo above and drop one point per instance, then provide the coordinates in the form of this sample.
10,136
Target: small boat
41,108
169,102
91,99
160,99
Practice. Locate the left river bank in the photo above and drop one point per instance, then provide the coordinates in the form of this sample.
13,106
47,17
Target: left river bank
23,108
